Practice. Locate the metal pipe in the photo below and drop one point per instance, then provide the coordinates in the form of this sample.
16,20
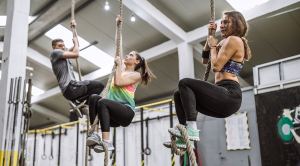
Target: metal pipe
142,137
171,126
91,44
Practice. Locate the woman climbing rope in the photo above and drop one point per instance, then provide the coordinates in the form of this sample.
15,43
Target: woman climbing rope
117,108
223,98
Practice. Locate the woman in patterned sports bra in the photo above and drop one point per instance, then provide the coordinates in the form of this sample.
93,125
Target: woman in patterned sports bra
223,98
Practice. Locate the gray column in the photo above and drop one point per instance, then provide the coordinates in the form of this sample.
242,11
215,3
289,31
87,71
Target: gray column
186,61
13,66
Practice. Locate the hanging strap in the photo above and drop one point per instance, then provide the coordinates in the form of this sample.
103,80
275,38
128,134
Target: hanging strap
211,33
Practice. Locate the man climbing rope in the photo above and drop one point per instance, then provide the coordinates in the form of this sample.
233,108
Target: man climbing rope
60,59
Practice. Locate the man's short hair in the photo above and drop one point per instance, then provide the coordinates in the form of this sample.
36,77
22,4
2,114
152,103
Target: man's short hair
56,41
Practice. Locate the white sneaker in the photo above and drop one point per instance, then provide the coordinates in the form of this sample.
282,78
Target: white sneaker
99,148
93,139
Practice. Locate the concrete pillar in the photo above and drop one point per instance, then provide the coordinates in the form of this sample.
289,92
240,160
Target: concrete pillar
186,61
13,66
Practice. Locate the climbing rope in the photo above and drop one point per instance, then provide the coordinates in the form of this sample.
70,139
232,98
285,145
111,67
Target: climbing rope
118,42
189,147
211,33
75,35
77,108
119,50
181,128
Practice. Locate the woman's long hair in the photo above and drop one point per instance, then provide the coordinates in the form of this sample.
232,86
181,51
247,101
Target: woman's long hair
240,28
144,69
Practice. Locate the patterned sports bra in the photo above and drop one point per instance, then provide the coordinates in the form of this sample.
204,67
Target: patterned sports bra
233,67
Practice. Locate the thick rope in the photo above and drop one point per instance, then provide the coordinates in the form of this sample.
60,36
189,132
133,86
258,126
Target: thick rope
79,72
211,33
119,50
105,148
174,148
189,146
75,35
118,42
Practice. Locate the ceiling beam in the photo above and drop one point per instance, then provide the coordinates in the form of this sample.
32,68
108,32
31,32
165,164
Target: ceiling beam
53,16
54,116
159,51
38,58
267,8
145,10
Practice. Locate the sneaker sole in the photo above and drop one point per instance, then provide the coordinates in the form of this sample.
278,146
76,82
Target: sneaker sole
174,133
180,136
101,150
178,146
98,150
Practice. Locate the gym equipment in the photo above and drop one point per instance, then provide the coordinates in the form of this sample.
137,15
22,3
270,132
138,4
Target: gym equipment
44,157
287,125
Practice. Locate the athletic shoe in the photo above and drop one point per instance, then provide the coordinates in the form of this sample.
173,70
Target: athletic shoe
99,148
93,139
179,143
192,133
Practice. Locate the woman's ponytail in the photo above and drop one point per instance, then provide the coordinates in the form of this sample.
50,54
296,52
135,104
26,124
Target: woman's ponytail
144,69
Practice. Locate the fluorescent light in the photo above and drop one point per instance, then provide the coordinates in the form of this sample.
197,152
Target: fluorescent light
243,5
92,54
3,20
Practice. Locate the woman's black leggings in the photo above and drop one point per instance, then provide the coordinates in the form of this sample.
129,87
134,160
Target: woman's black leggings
111,113
218,100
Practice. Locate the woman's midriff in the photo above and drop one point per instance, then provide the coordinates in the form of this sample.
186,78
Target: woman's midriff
219,76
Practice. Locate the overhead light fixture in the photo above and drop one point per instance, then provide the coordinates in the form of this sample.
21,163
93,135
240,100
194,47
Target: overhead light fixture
106,6
132,18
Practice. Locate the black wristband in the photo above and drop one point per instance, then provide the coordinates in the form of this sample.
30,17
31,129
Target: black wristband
205,54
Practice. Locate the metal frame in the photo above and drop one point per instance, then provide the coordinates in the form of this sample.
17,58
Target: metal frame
282,84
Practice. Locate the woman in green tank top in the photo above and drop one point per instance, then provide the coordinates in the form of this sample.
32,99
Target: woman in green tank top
117,109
